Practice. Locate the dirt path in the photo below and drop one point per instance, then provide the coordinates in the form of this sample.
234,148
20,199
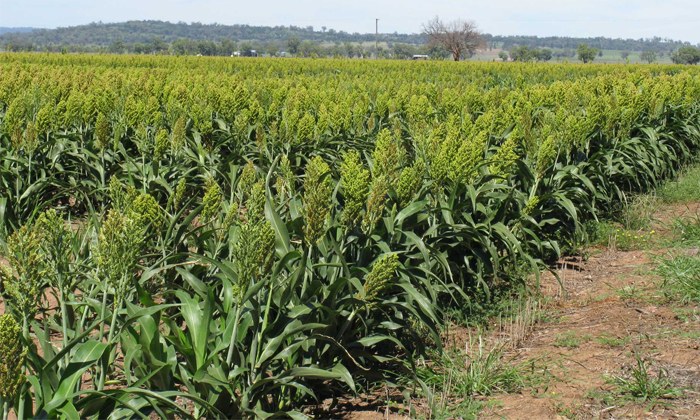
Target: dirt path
614,307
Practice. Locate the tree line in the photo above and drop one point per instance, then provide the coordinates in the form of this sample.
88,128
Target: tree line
140,36
658,44
142,32
226,47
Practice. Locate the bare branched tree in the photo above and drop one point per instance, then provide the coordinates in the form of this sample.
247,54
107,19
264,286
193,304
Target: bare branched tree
459,37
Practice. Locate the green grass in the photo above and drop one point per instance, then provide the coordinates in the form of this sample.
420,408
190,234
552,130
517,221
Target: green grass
637,213
693,335
628,292
629,227
681,277
610,341
468,409
685,189
481,309
459,375
570,339
641,385
606,398
687,314
483,373
686,231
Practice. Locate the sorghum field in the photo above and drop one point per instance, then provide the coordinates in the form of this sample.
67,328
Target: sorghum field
200,237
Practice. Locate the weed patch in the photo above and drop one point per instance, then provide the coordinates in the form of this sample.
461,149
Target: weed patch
570,339
642,385
685,189
611,341
681,277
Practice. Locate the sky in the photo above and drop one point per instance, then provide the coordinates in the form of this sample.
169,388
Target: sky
677,19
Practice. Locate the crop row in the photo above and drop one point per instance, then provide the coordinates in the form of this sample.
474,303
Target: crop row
235,238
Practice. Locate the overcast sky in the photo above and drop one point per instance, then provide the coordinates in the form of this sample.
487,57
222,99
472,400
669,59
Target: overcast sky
677,19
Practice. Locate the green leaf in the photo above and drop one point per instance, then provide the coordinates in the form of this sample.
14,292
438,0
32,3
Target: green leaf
84,358
197,321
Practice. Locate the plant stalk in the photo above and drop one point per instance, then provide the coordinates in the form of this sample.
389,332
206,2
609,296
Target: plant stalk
104,308
20,412
64,321
229,356
110,335
29,173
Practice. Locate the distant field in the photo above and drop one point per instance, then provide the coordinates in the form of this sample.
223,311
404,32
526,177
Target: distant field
609,56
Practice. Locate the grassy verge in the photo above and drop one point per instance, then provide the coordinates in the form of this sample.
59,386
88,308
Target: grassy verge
454,379
685,189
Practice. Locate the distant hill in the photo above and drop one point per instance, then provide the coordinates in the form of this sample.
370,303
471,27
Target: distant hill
103,34
133,35
6,30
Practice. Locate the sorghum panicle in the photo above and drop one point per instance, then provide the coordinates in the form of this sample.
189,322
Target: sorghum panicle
355,180
12,357
211,200
26,259
317,200
410,181
162,144
381,276
178,140
119,246
375,203
102,131
179,194
246,181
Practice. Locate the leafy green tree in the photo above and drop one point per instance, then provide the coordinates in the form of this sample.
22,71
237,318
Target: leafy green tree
206,48
648,56
624,54
139,48
117,47
433,50
158,45
524,53
503,55
686,55
308,47
349,49
586,54
271,49
293,45
246,49
184,46
227,47
402,50
543,54
521,53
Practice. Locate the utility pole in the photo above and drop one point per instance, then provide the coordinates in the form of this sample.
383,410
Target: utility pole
376,39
